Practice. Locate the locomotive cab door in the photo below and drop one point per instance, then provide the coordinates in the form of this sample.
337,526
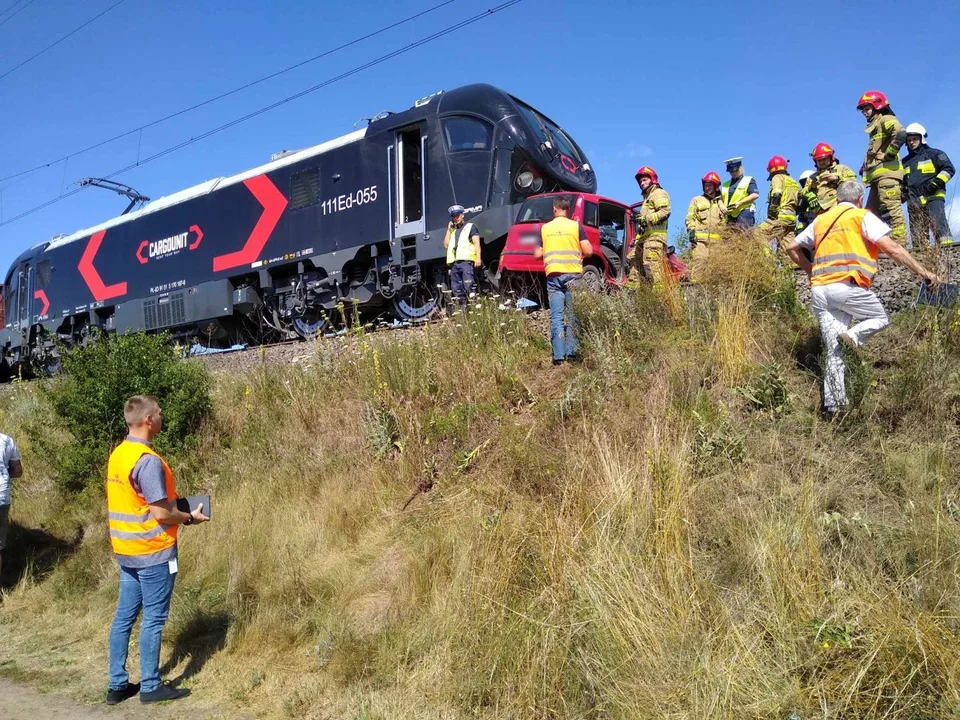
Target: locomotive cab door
409,210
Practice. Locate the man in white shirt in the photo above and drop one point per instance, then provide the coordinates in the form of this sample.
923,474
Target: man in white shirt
846,242
10,467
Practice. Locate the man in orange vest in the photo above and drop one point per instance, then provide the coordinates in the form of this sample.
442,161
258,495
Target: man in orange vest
846,242
143,519
564,245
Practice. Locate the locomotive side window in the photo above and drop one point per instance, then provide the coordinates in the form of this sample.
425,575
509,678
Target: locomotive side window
43,273
22,299
10,291
304,189
612,224
466,133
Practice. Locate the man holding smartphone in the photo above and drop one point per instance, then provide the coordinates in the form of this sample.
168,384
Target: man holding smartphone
462,243
143,519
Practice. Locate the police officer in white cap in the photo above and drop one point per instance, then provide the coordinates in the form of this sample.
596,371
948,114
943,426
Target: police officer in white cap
462,243
926,172
738,194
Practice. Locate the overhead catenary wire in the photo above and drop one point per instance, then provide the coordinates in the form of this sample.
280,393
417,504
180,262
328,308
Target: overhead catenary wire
220,128
228,93
54,44
16,12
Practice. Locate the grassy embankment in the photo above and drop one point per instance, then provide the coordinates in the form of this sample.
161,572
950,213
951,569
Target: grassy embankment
666,531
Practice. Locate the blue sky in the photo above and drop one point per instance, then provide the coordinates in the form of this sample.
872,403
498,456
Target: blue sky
679,86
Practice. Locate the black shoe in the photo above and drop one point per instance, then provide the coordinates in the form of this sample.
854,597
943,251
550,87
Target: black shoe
557,362
118,696
575,358
165,691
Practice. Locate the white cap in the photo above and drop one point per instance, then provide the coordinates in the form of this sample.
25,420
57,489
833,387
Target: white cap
917,129
805,174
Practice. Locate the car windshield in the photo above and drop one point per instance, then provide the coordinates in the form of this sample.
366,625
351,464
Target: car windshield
540,209
546,130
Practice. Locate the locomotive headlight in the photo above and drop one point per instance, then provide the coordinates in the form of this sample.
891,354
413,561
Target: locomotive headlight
525,180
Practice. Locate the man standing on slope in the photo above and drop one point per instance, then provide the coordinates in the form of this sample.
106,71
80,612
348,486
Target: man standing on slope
927,173
881,167
846,242
143,518
822,186
652,224
564,245
808,205
781,222
462,243
738,194
705,219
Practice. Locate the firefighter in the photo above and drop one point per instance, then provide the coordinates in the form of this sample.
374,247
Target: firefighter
881,167
652,227
846,242
462,243
705,217
781,222
821,191
738,194
927,173
807,207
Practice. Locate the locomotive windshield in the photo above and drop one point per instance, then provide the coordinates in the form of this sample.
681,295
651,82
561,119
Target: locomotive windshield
540,209
548,131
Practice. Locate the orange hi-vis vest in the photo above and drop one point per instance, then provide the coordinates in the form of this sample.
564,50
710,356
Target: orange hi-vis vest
840,252
561,247
133,529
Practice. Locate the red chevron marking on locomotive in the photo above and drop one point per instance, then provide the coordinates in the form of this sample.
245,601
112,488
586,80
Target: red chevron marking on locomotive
90,275
140,257
42,297
196,243
274,204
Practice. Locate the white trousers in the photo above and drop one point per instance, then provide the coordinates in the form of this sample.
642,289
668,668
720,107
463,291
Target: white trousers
837,306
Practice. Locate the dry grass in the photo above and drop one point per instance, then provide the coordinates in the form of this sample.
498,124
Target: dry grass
622,539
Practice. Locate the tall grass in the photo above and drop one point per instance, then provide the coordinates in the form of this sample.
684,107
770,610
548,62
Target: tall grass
627,538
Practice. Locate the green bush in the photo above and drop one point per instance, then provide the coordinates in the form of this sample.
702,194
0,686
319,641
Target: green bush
88,402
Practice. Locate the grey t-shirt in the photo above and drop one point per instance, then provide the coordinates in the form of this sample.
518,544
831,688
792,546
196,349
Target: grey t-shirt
150,483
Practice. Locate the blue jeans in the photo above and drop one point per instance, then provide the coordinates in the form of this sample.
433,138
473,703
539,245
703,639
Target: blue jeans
149,588
563,323
745,219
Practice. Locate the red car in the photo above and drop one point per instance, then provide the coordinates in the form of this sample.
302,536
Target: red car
610,229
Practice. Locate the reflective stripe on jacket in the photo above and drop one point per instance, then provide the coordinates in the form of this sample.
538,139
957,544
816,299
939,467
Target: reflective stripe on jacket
883,149
704,218
840,252
561,247
783,200
655,211
927,172
133,529
461,247
824,183
739,193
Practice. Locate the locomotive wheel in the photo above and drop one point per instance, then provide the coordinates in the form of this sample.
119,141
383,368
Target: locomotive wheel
593,279
417,303
311,325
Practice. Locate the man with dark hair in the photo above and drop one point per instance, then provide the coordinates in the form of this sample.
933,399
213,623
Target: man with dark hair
143,518
563,246
462,243
10,468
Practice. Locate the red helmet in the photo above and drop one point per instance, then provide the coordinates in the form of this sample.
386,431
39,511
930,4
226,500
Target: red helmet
776,164
822,150
649,172
711,177
875,98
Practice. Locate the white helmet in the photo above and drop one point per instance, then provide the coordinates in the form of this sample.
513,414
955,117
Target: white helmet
805,174
917,129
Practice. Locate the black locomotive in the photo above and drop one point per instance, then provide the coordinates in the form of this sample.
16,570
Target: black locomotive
357,221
